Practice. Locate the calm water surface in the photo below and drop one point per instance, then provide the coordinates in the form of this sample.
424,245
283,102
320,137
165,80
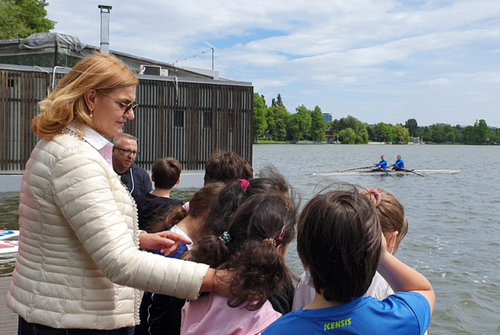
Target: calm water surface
454,235
454,230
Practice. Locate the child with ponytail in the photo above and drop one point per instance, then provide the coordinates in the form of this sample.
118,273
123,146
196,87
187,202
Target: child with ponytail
234,195
253,246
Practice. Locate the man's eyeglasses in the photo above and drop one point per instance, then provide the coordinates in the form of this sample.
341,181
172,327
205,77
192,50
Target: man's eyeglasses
127,152
131,106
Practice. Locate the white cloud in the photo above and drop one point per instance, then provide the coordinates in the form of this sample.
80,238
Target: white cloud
379,60
438,82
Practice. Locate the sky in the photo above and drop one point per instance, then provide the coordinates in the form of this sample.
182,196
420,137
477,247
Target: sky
437,61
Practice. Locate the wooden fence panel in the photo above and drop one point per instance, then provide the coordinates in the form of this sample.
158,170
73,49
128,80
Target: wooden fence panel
185,120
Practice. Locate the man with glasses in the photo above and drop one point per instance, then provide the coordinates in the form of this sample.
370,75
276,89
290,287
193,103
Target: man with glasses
135,178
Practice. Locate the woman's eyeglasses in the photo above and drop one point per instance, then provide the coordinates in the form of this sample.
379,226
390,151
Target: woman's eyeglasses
131,106
127,152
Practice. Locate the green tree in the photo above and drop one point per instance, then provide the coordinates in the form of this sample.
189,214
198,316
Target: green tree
383,132
470,136
277,122
22,18
360,129
402,134
351,122
412,125
459,133
347,136
450,137
437,132
293,129
482,131
334,126
299,123
278,102
378,133
259,115
363,137
318,125
495,135
442,132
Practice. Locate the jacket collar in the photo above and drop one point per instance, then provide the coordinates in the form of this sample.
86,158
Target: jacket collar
97,141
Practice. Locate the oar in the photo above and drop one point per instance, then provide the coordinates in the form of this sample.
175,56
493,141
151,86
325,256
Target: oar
418,174
358,168
387,173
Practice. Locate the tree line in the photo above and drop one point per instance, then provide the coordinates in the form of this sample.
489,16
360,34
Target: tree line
276,123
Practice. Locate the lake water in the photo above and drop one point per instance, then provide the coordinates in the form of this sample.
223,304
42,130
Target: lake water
454,230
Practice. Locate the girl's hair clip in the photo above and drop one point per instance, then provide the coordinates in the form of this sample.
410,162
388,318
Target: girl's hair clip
376,194
270,241
225,238
244,183
282,234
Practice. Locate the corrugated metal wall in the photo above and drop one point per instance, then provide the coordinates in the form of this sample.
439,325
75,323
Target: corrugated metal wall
185,120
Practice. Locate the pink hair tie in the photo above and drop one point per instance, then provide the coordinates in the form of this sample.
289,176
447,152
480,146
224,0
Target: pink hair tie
244,183
376,194
186,207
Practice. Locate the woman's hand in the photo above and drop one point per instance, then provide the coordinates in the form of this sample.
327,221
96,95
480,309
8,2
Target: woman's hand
217,281
167,241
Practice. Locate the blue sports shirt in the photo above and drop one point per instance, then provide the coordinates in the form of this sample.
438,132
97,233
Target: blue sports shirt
400,313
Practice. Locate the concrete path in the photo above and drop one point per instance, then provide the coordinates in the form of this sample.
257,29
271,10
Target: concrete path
8,318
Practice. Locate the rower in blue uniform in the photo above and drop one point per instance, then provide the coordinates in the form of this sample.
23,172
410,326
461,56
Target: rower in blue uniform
382,165
399,165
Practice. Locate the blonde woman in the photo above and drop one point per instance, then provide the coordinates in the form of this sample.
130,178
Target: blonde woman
80,267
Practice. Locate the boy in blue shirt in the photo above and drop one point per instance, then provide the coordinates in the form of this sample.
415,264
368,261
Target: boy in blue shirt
340,242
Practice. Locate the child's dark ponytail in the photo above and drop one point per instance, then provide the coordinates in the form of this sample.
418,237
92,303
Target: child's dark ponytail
260,233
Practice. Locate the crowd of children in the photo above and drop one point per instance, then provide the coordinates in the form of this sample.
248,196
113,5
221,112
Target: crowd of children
346,240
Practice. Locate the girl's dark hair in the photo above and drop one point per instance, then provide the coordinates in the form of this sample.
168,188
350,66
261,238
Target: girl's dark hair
339,241
200,205
229,200
263,223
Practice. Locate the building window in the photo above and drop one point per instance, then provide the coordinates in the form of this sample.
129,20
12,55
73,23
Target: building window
179,119
207,119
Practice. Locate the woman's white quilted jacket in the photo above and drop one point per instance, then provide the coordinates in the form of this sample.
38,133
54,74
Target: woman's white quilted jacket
77,257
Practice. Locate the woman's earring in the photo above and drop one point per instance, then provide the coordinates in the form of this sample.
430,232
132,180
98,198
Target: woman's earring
91,112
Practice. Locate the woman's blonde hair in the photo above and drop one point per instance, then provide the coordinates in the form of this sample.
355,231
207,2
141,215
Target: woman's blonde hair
66,104
391,213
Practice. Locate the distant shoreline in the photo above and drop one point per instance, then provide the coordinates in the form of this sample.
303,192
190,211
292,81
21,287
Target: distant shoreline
370,143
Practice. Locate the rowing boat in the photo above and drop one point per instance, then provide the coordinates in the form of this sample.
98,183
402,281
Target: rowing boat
386,173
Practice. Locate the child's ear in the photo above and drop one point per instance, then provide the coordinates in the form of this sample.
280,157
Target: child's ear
282,250
153,178
279,249
178,181
392,242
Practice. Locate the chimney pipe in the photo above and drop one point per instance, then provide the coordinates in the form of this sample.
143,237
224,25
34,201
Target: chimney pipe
105,10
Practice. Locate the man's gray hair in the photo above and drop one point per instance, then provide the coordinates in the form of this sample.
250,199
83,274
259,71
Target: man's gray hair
116,139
